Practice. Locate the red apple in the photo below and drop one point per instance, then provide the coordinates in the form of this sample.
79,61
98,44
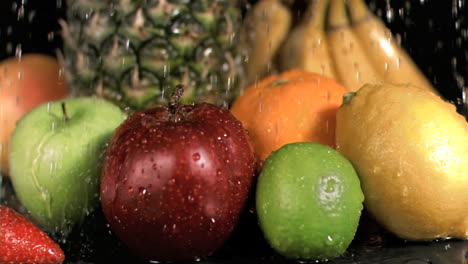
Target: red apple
175,180
25,83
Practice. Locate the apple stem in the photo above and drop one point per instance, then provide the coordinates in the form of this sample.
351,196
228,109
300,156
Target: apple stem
64,110
174,102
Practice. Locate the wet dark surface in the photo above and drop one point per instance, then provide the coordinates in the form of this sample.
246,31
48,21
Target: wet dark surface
94,243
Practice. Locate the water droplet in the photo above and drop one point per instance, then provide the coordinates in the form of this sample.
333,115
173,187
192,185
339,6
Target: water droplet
172,181
9,31
190,198
52,167
31,16
14,6
405,191
142,191
196,156
18,52
50,36
20,12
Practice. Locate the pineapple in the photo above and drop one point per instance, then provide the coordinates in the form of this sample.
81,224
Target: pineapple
134,52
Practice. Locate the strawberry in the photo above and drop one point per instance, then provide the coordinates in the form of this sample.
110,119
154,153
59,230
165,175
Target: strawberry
23,242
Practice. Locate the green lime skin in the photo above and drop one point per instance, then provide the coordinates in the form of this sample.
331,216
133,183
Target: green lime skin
309,201
55,159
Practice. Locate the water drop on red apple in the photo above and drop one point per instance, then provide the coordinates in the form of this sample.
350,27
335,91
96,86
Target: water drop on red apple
196,156
142,191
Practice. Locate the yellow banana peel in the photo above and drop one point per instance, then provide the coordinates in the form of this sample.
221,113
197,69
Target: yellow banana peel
388,58
306,46
264,29
352,64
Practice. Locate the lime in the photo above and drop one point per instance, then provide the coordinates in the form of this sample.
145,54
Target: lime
308,201
410,149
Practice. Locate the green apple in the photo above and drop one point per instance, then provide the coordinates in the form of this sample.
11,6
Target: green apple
55,159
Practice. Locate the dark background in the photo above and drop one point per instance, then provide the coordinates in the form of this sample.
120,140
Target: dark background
434,32
34,30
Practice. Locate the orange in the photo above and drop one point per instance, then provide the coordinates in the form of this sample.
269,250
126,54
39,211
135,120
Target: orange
294,106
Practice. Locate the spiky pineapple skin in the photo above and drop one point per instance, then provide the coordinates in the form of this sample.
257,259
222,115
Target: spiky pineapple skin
134,52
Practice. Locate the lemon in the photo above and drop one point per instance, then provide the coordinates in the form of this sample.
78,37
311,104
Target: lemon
410,149
308,201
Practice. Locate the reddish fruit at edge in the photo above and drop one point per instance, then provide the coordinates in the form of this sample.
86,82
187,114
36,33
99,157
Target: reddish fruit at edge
22,242
24,84
175,180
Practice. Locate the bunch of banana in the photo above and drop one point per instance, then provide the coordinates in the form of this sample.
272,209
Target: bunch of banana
306,46
264,28
351,61
388,58
354,49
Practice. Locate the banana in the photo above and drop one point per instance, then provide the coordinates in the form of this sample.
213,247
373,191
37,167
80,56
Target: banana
352,64
265,27
306,46
388,58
